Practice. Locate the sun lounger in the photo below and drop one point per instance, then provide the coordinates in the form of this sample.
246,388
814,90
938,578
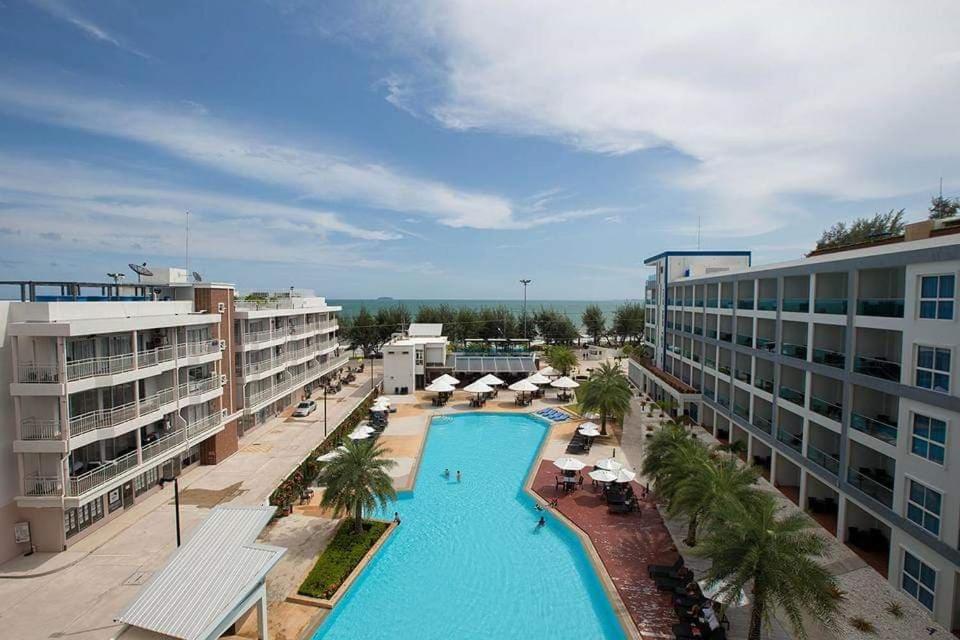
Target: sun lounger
665,568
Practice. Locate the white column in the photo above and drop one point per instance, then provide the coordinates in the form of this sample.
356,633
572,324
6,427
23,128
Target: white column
841,516
262,616
803,488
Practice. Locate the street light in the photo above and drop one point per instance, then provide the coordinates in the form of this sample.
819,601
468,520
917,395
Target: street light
525,282
176,501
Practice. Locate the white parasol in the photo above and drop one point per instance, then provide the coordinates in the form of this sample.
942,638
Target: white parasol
602,475
609,464
568,464
440,387
589,429
549,371
447,378
491,380
358,435
523,385
538,378
625,475
478,387
564,383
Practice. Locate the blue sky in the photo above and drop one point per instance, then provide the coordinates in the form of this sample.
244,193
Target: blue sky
449,149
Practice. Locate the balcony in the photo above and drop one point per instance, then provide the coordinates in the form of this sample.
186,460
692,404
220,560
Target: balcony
742,375
152,357
199,386
792,395
792,440
745,304
163,444
823,459
798,351
877,367
102,418
37,429
203,425
796,305
265,335
831,410
745,340
880,307
709,362
726,303
92,479
764,424
880,429
766,304
155,401
724,369
200,348
106,366
830,358
40,485
766,344
742,411
763,383
837,306
253,368
712,302
882,491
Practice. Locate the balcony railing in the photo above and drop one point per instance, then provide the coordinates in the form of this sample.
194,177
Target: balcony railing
829,462
830,305
726,303
151,357
763,383
883,307
37,429
85,482
793,395
826,408
31,372
877,367
111,365
723,401
796,305
881,493
39,485
712,302
741,375
252,368
724,369
798,351
153,402
697,330
726,336
879,429
792,440
829,358
105,366
164,444
741,411
745,340
102,418
201,426
710,362
764,424
767,304
200,348
712,333
198,387
745,304
766,344
265,335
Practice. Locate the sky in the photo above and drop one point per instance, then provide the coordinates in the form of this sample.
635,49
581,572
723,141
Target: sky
447,149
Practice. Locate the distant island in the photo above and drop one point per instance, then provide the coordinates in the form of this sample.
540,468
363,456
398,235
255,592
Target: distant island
384,298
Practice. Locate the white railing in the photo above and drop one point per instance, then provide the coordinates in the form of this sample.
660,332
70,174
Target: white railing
154,402
202,348
37,485
294,380
92,479
151,357
32,372
298,330
196,387
252,368
167,442
327,325
265,335
37,429
203,425
102,418
105,366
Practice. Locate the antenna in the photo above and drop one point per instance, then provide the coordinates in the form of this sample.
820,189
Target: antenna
117,277
140,270
197,277
188,243
699,218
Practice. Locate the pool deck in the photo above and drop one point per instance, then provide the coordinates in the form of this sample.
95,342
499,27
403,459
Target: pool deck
626,544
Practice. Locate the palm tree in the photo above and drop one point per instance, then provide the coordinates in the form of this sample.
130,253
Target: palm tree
658,453
608,393
749,545
561,358
356,480
705,484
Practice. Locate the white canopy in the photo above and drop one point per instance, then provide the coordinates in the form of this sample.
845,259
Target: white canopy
602,475
478,387
440,387
447,378
625,475
609,464
358,435
523,385
382,400
333,454
568,464
549,371
589,429
538,378
491,380
564,383
712,591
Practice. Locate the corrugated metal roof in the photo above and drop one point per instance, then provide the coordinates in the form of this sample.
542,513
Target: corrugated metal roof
491,364
425,330
217,568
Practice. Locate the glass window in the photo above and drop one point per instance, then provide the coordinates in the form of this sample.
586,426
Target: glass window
936,297
919,580
923,507
929,438
933,369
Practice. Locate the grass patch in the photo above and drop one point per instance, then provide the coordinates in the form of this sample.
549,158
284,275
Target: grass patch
340,557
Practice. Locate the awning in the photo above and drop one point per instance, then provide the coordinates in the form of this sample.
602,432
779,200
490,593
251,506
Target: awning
466,363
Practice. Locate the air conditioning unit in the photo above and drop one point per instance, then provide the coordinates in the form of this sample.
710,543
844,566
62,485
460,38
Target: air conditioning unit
223,379
221,307
223,345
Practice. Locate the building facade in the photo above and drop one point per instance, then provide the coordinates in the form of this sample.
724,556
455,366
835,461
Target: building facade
104,396
412,359
839,375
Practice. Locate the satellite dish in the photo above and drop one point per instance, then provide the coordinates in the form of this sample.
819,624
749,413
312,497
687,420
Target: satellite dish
197,277
140,269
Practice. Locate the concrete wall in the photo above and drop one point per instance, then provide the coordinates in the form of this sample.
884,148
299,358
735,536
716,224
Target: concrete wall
398,368
9,473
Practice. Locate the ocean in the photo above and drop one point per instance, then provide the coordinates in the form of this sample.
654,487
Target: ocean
572,308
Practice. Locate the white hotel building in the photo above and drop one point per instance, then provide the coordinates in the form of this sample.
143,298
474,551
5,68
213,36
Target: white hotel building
103,396
840,373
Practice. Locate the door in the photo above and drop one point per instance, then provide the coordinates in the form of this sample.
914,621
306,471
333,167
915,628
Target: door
127,495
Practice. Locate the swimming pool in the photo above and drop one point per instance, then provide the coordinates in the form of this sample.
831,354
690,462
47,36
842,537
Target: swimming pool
468,560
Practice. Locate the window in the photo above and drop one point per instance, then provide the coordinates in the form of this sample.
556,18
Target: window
933,368
923,507
929,438
936,297
919,580
419,357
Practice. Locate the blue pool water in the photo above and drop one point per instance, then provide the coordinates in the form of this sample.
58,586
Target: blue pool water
468,560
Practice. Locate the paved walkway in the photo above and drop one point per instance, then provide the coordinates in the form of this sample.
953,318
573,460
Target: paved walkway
80,600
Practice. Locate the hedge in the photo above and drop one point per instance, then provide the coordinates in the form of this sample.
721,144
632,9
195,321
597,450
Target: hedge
341,556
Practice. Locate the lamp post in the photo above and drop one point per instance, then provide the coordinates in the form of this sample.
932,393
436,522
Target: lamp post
324,411
176,501
525,282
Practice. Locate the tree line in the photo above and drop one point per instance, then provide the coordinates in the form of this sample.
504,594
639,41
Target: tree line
368,332
882,225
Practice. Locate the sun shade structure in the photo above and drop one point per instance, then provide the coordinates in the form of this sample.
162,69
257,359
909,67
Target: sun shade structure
568,464
602,475
478,387
549,371
609,464
212,580
625,475
589,429
564,383
538,378
358,435
522,386
440,387
491,380
446,379
468,363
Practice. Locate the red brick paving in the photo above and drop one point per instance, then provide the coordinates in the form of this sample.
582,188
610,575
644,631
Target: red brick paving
627,543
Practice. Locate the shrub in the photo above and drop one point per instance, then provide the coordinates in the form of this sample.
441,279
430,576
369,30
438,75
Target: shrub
863,625
340,557
894,609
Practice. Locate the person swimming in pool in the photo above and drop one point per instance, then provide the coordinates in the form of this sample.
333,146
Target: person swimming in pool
542,523
458,475
446,473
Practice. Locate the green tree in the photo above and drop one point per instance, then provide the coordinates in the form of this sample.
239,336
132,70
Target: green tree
608,393
362,332
941,207
467,325
881,225
357,480
628,322
561,358
554,327
658,454
594,322
777,556
705,484
391,320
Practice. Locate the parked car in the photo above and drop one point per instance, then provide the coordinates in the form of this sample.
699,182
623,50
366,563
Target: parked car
305,408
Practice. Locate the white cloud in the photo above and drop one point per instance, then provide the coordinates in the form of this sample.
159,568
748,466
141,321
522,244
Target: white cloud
849,101
62,11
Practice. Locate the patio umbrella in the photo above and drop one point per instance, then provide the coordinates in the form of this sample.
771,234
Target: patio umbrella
609,464
447,378
332,454
712,591
538,378
382,400
549,371
440,387
358,435
478,387
625,475
589,429
568,464
522,386
602,475
491,380
564,383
